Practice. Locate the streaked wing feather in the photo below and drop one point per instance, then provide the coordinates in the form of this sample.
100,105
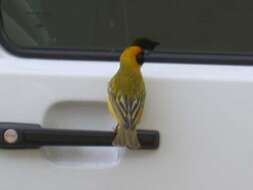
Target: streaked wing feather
128,110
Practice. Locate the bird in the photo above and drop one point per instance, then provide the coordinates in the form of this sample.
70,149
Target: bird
126,93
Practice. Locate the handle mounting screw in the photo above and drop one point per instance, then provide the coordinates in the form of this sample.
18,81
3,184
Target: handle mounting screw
10,136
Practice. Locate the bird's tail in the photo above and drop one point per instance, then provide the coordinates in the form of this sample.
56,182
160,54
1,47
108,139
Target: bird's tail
126,137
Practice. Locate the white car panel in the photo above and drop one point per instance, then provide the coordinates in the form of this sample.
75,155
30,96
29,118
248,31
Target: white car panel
203,113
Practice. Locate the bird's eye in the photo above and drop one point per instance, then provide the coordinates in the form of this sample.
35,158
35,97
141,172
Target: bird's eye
140,58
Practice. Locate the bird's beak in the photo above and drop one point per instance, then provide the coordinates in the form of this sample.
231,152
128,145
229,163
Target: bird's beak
154,44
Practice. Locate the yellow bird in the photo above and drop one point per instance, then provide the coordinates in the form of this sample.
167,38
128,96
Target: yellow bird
126,93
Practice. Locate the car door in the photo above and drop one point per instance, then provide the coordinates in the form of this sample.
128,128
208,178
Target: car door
200,102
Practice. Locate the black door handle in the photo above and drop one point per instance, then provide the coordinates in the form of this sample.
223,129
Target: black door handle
23,136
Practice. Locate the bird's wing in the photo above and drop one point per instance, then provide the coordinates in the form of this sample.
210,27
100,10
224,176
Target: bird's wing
128,110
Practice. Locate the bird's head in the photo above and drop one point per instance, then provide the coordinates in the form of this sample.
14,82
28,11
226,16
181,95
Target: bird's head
134,55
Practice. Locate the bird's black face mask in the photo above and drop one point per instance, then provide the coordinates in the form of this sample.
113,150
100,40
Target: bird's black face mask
147,45
140,58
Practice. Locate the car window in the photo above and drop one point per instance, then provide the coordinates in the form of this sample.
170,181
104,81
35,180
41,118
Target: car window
181,26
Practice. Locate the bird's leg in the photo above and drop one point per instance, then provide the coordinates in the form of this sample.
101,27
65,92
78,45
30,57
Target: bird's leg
115,131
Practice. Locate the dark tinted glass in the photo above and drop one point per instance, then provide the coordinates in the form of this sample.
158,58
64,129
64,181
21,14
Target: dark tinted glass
211,26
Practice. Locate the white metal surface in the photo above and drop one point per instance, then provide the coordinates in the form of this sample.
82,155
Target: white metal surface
204,114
